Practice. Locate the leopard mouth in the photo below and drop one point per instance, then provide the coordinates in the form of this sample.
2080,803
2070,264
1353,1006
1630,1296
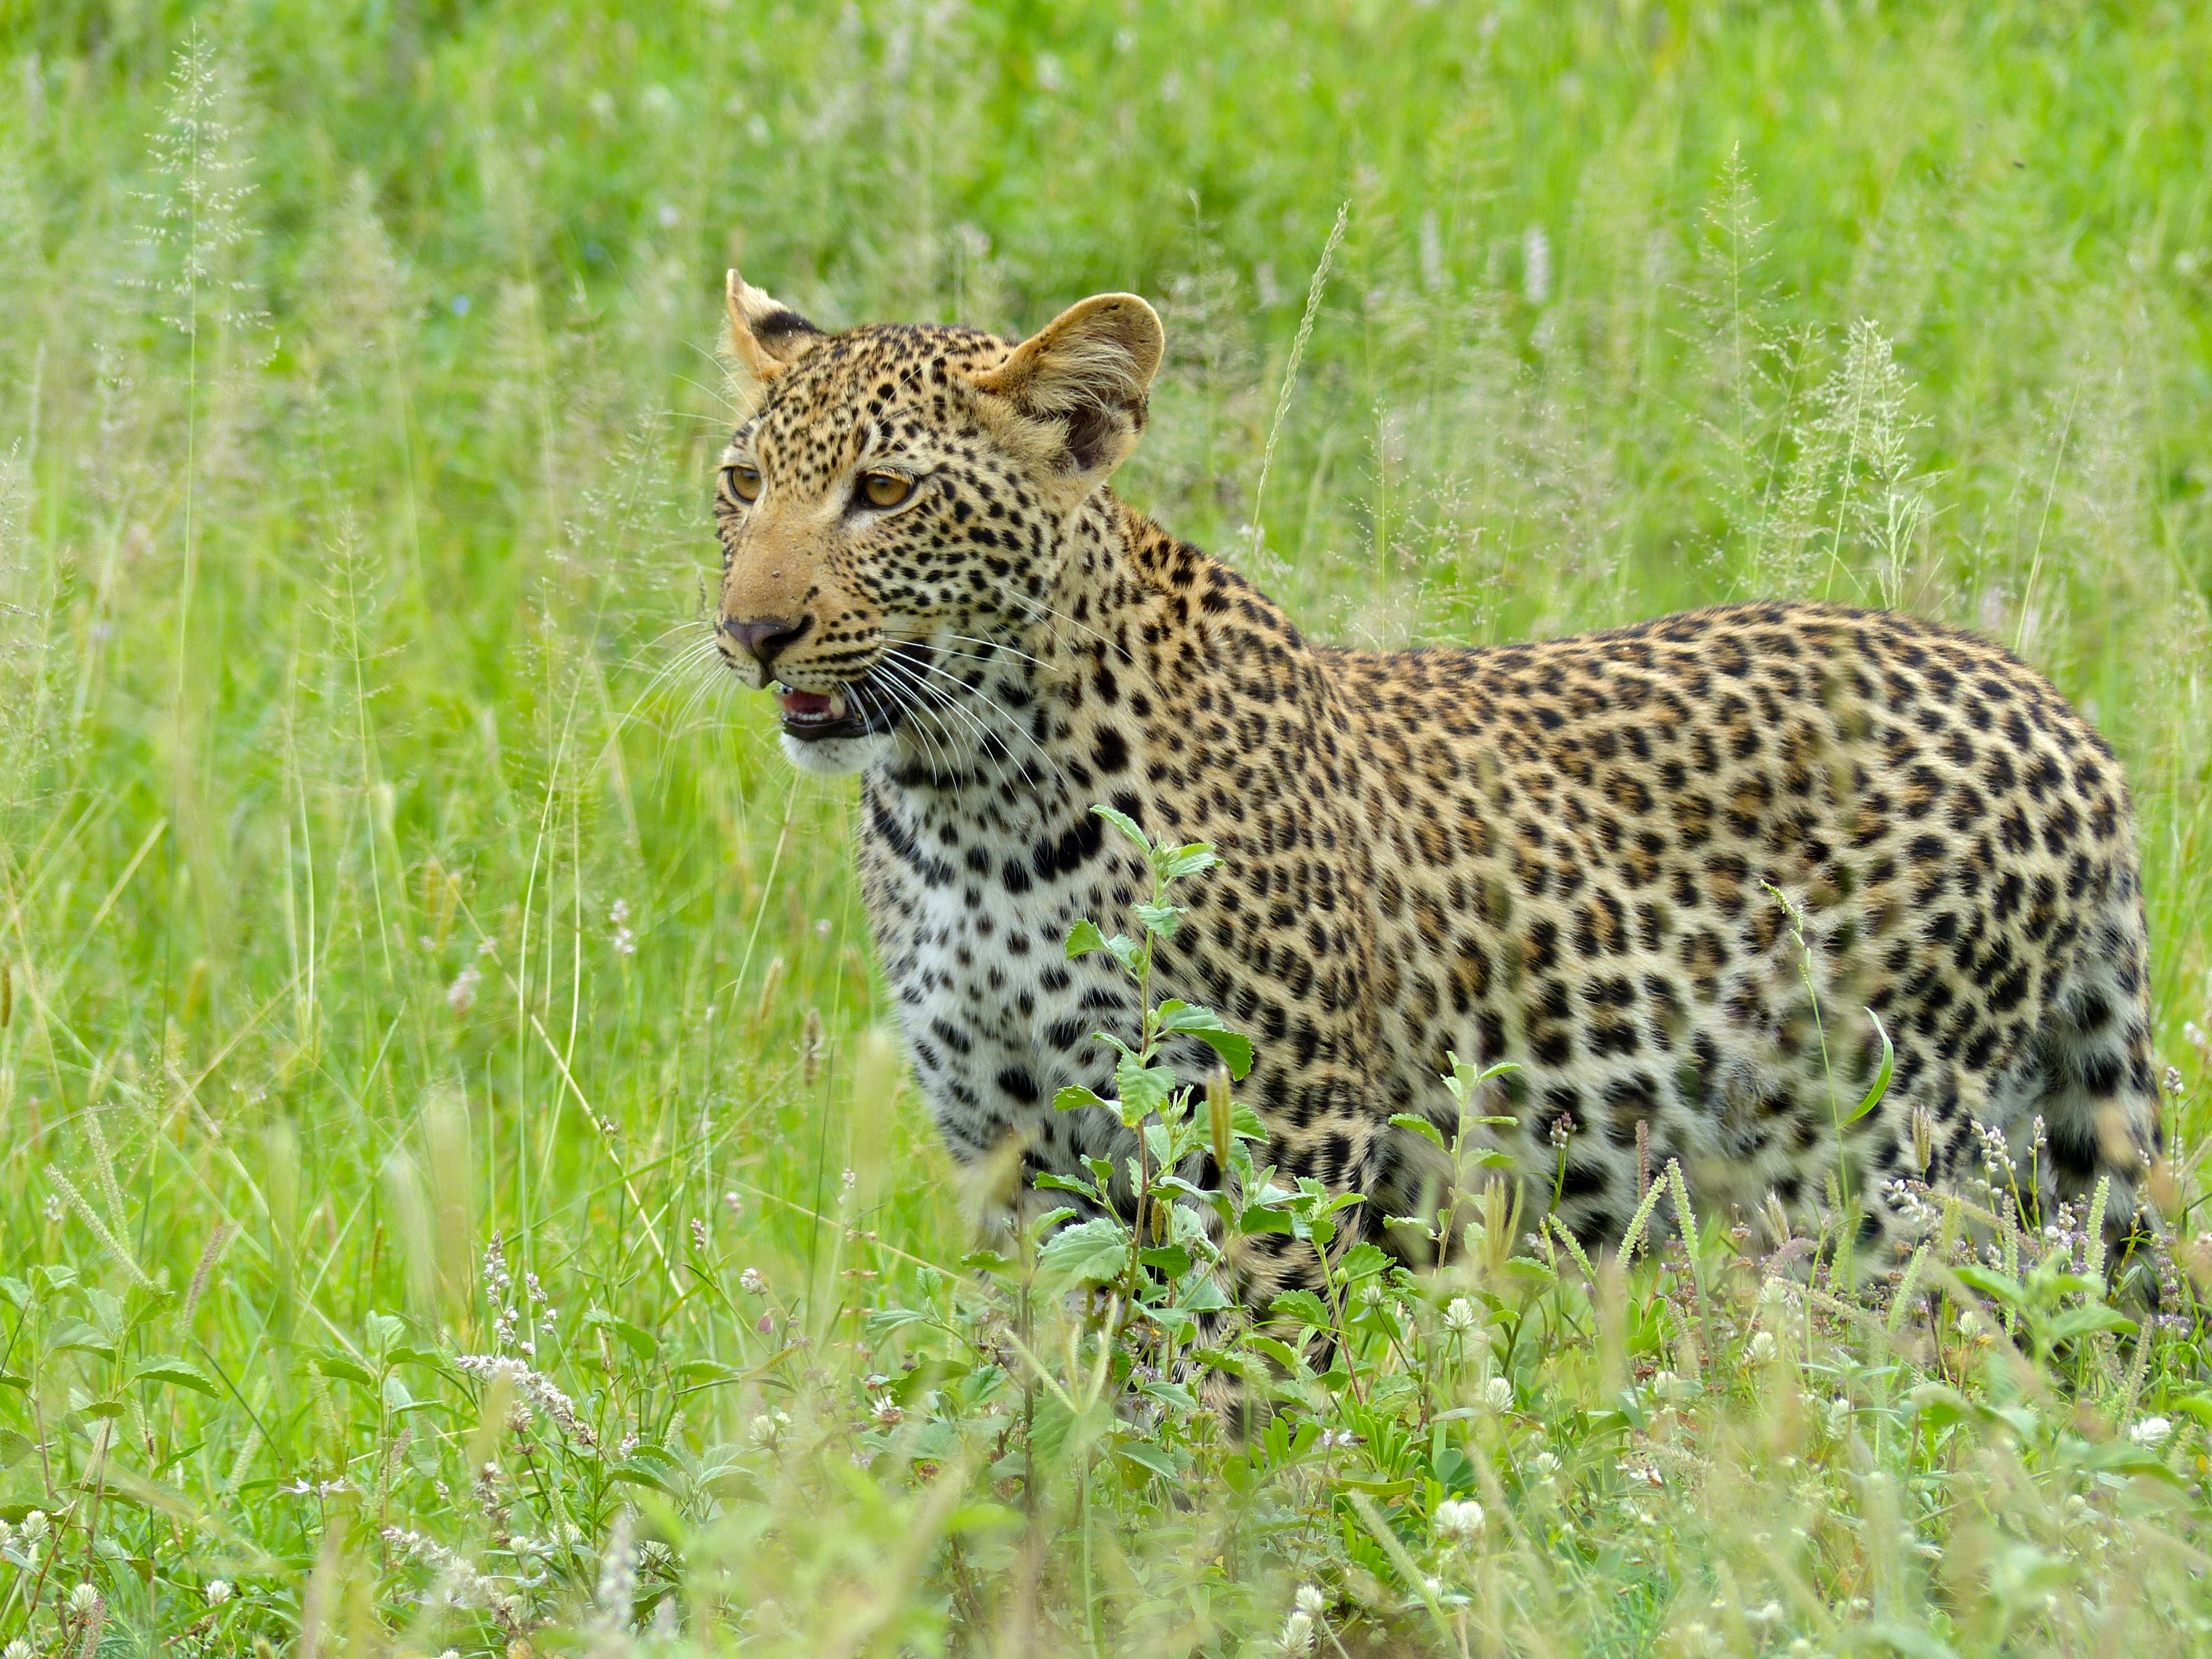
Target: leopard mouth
857,710
865,707
816,716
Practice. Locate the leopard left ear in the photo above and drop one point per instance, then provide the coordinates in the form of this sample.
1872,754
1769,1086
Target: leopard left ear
766,334
1085,373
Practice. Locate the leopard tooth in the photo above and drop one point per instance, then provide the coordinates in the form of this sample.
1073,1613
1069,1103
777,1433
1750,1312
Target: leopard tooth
836,705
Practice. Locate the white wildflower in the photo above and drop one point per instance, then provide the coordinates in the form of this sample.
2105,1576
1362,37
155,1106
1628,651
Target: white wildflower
767,1428
535,1387
18,1649
1457,1521
750,1280
2152,1432
1543,1465
1298,1633
1763,1347
1460,1317
1497,1394
1311,1600
83,1600
218,1592
34,1526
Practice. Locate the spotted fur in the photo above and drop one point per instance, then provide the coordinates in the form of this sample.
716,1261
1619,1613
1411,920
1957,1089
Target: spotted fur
1572,855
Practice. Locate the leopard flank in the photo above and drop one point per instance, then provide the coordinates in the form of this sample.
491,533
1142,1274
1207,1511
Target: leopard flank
1609,858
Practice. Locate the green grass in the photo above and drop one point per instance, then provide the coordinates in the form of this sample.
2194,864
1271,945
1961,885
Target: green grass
376,880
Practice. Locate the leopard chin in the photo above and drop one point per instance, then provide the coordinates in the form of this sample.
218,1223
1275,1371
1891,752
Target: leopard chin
835,757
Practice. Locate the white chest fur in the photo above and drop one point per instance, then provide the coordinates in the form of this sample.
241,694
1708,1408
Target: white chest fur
971,904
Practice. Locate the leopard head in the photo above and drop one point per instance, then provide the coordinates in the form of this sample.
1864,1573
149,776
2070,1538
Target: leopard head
900,488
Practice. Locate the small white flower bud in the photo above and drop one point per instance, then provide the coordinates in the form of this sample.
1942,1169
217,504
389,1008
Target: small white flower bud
1497,1394
1460,1317
34,1526
218,1592
2151,1432
1311,1602
83,1600
1762,1347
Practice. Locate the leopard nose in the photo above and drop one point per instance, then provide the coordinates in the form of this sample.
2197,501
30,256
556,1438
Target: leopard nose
764,637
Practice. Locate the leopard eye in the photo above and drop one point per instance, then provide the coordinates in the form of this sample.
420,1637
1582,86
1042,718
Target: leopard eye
885,489
745,481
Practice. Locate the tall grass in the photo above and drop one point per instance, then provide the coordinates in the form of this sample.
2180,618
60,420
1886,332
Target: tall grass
456,1188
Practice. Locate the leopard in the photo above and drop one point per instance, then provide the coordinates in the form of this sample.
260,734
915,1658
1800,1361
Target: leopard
1685,891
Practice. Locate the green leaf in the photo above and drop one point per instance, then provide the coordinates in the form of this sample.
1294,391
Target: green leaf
1130,954
2079,1322
1143,1089
1097,1251
1169,1394
984,1517
1153,1459
1174,863
1304,1307
75,1334
1058,1183
1991,1282
704,1370
1128,826
1074,1098
1234,1047
1171,1260
1161,918
178,1373
882,1322
9,1380
341,1365
2196,1404
1203,1295
1263,1219
1082,938
1417,1125
642,1469
1281,1352
1362,1260
639,1342
1881,1074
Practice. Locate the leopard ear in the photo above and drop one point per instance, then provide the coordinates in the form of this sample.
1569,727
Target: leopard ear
1085,374
766,334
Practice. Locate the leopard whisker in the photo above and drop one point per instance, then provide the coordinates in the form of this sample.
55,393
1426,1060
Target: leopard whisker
976,692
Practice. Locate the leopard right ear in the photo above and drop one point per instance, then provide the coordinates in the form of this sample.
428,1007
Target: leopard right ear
766,336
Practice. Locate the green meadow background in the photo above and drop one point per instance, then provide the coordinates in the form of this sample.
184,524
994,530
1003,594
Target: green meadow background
382,871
